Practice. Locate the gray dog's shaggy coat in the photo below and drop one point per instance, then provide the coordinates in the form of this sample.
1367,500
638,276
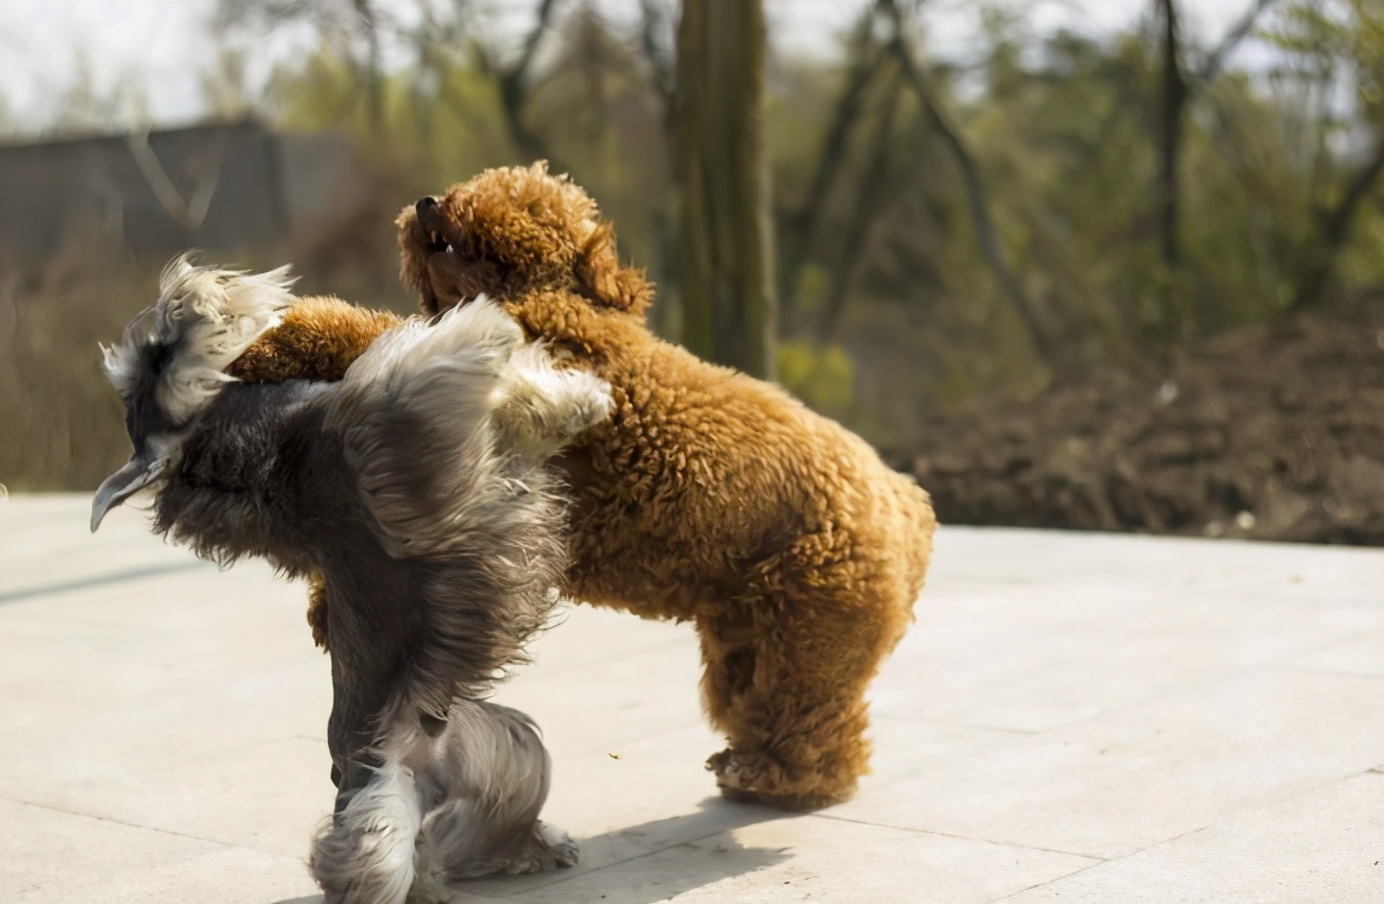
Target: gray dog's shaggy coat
416,486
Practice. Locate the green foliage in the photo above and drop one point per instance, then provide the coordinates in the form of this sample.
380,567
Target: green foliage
1336,38
1065,132
824,378
893,312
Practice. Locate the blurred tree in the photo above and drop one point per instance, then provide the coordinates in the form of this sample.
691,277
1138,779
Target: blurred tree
976,193
726,262
949,227
8,124
225,86
1178,87
516,81
1174,99
355,28
865,63
1338,43
92,104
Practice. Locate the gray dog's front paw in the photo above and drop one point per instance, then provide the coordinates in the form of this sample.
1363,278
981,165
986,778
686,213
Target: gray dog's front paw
564,850
591,401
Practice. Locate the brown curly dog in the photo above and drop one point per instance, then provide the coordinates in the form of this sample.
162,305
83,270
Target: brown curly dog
709,495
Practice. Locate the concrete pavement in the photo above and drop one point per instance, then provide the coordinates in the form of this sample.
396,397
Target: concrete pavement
1074,717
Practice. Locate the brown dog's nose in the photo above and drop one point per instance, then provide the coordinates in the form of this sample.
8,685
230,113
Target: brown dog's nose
425,205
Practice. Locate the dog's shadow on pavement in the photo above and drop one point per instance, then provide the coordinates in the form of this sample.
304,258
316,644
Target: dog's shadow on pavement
639,864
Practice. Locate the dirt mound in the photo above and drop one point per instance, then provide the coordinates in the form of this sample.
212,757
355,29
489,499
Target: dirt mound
1273,432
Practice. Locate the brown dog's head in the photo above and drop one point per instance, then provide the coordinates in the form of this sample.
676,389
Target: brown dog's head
509,231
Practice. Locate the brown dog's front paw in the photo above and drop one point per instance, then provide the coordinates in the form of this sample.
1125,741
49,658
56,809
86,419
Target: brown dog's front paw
760,778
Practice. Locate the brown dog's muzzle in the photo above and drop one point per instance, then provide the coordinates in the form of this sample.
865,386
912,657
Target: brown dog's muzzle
431,223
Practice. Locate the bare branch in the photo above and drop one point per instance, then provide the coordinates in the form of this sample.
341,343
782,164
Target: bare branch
976,194
871,197
1215,61
801,227
189,213
374,88
1336,227
652,20
515,86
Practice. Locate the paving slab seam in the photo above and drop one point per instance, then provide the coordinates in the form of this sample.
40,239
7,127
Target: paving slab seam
1332,643
135,825
1320,670
151,572
917,831
1297,599
1324,670
1155,845
1076,872
1232,674
557,877
1230,817
226,845
975,726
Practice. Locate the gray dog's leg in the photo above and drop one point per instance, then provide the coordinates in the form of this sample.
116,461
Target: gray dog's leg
491,774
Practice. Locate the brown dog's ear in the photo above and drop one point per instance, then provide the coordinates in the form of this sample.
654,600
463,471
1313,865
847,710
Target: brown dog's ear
606,282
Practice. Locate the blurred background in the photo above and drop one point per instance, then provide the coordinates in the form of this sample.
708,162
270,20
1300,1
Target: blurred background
1105,264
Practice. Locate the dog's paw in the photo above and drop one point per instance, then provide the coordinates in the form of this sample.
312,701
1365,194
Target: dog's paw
740,772
761,779
564,850
549,847
590,402
428,889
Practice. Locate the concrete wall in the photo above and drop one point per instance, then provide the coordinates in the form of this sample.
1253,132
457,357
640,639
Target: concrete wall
215,187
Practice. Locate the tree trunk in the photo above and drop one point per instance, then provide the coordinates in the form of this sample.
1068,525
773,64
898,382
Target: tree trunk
726,261
374,85
1176,322
1174,99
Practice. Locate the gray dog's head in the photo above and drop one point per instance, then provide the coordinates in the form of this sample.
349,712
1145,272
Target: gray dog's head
168,366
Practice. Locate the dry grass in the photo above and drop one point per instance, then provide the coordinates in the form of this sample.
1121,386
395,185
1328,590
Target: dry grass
63,425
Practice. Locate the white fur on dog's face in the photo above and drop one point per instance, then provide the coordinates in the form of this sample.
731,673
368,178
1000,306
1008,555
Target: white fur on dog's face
205,318
168,366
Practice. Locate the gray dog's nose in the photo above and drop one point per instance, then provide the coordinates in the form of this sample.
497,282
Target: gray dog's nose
425,205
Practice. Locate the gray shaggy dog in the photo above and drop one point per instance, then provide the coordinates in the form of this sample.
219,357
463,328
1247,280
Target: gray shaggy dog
416,486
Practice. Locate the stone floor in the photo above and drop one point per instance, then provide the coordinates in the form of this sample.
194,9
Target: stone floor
1074,717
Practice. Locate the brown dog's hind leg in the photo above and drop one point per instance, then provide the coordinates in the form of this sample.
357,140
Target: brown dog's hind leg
786,681
317,611
728,658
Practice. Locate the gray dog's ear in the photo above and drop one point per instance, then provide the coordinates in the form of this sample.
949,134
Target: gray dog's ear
136,474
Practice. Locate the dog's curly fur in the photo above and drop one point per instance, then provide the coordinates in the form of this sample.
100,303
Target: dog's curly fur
709,496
